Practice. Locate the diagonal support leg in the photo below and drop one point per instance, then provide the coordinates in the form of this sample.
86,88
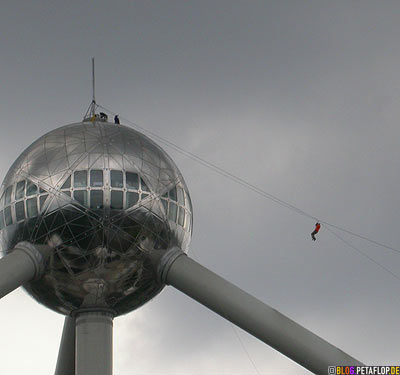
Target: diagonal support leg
24,263
66,355
252,315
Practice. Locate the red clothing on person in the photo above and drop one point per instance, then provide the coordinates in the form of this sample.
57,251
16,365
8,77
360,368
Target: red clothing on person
316,230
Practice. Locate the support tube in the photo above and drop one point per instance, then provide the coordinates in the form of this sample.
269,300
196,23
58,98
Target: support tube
93,351
250,314
66,355
24,263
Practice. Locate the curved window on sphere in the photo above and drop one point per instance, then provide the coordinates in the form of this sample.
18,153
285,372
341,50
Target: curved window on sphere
165,204
96,178
31,189
20,190
116,200
67,183
1,220
187,221
188,202
181,218
7,215
42,200
96,199
80,179
172,194
117,179
20,211
181,198
172,212
31,207
8,195
131,199
132,180
144,186
81,196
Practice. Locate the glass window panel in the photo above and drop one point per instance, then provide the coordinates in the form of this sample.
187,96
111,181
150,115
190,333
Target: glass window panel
31,189
96,178
81,196
42,200
181,199
116,199
181,218
144,186
20,190
80,179
8,195
20,210
188,203
7,214
144,196
31,207
41,191
131,199
132,180
67,192
187,221
1,220
67,183
165,204
96,199
172,194
172,212
117,179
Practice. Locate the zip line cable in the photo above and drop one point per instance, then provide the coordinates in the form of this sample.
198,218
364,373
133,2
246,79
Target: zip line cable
246,184
215,168
360,236
363,254
257,190
265,194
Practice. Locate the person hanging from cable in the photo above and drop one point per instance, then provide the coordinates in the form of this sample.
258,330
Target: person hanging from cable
316,230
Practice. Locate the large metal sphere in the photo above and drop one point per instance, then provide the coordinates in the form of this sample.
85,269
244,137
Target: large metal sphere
102,195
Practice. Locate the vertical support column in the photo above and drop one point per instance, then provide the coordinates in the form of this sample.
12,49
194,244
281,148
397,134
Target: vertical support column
66,355
93,343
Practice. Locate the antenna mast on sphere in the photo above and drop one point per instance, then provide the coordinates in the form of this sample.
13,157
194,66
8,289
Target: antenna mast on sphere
93,81
91,112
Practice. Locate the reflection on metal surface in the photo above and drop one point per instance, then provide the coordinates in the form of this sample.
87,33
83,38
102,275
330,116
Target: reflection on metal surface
103,195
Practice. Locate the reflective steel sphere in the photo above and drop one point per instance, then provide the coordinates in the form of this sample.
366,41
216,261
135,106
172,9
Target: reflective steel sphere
101,195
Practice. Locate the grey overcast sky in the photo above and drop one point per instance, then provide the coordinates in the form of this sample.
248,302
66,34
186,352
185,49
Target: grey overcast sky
300,98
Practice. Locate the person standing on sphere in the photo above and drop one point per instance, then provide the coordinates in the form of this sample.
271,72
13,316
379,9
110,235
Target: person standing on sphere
116,119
